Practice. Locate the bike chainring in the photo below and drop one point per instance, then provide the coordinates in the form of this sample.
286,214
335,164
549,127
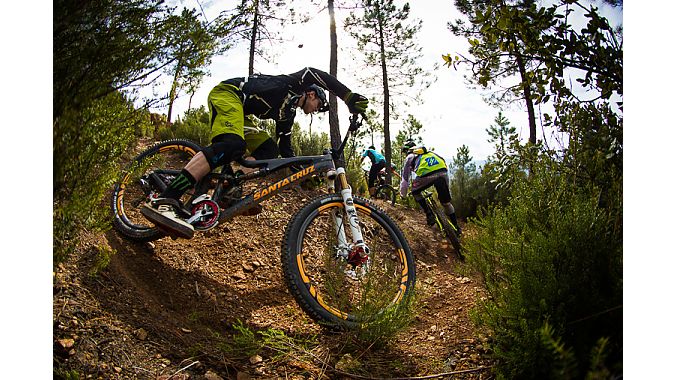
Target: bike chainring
208,211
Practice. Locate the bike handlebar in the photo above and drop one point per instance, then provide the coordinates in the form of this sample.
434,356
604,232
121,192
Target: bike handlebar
355,123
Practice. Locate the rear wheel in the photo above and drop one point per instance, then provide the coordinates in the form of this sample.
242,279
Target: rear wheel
341,288
387,193
154,168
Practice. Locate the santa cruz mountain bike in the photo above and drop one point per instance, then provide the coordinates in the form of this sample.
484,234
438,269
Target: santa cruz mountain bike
344,260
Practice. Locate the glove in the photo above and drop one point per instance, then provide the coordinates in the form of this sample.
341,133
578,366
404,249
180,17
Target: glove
356,103
403,188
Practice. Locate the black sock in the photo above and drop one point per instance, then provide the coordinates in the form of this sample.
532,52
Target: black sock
179,185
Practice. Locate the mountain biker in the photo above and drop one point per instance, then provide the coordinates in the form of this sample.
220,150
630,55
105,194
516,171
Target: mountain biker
427,169
273,97
377,164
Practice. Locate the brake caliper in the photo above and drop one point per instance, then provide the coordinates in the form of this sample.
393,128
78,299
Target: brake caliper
357,256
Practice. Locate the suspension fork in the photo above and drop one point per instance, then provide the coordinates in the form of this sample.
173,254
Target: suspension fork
343,246
353,220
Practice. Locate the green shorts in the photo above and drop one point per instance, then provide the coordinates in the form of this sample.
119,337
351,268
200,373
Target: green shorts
254,139
227,111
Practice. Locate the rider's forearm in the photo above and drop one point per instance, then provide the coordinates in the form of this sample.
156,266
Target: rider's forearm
310,75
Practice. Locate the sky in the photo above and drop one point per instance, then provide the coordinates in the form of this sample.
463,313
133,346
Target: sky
452,114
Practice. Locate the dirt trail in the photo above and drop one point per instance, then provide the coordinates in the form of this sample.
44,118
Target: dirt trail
167,308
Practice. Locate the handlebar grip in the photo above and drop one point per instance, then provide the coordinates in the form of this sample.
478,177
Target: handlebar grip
355,123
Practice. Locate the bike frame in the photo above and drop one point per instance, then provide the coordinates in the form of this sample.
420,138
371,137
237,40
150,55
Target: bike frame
312,164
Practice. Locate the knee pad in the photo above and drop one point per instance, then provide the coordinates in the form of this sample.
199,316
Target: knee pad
448,207
213,156
222,152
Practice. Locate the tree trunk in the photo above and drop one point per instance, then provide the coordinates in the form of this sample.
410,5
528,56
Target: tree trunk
254,32
172,92
386,97
528,97
529,106
334,127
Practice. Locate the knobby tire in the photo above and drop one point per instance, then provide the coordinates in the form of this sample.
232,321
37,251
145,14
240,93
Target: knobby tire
319,281
129,195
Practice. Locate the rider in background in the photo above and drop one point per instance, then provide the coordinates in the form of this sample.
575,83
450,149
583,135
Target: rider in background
423,169
273,97
377,164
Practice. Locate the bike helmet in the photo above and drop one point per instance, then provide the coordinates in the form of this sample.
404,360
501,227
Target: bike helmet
408,146
321,95
419,149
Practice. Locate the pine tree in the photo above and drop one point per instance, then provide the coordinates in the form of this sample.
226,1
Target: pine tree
387,37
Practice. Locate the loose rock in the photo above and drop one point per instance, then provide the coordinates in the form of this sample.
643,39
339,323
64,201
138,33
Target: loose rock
255,359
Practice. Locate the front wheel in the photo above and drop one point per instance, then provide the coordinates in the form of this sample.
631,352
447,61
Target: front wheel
449,231
332,286
387,193
146,175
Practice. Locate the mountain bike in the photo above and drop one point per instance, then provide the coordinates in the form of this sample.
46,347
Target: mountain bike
442,222
384,190
343,259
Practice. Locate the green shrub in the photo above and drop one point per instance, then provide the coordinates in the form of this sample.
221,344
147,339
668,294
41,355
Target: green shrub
466,190
145,127
87,146
101,260
385,326
248,342
244,342
193,126
62,374
356,179
551,260
308,143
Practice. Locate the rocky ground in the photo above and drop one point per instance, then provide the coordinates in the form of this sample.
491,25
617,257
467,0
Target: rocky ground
215,307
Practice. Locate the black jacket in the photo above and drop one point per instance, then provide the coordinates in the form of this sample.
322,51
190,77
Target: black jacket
274,97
